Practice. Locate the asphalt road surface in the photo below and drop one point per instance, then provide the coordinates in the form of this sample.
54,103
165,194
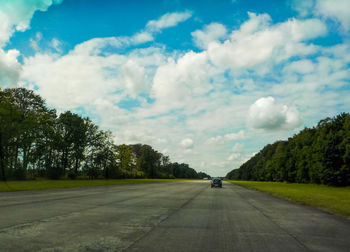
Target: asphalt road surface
174,216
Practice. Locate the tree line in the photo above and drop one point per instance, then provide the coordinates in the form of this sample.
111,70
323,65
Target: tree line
36,142
318,155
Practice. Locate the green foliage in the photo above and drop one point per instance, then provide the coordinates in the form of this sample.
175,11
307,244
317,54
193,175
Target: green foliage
318,155
202,175
35,142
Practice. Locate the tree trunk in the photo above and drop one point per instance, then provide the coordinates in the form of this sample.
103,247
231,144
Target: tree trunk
76,166
25,154
2,164
106,170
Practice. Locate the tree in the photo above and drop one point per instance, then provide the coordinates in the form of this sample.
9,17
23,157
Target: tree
149,161
31,111
73,131
35,142
9,123
317,155
125,160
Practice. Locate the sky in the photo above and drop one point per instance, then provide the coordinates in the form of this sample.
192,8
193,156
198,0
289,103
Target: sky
208,83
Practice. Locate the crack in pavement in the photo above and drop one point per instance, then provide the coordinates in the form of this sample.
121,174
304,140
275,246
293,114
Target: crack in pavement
167,217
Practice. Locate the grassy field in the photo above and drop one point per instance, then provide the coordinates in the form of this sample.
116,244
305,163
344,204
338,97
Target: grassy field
332,199
50,184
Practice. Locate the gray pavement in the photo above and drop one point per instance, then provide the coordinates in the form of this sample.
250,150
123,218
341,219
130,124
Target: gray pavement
174,216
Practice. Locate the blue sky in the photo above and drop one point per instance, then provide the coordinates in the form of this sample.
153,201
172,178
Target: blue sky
207,82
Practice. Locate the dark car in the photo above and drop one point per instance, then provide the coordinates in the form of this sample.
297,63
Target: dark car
216,182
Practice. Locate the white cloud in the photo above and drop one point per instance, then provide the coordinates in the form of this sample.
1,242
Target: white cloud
9,68
133,77
266,114
228,137
187,143
304,7
300,66
235,136
96,46
234,156
168,20
222,111
210,33
15,15
255,23
141,37
56,45
258,42
34,42
175,83
335,9
88,77
238,147
68,87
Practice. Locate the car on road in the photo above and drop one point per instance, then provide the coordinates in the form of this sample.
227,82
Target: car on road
216,182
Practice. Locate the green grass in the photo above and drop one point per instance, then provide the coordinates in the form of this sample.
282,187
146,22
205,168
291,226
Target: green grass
51,184
332,199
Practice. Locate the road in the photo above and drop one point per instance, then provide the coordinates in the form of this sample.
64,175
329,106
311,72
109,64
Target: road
173,216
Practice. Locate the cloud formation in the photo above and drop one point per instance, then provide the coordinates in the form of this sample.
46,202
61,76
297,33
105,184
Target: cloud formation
238,152
187,143
15,15
9,68
168,20
336,10
228,137
259,42
89,76
266,114
210,33
177,98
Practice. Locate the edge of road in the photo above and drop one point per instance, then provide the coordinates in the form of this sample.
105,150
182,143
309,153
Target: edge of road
337,215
